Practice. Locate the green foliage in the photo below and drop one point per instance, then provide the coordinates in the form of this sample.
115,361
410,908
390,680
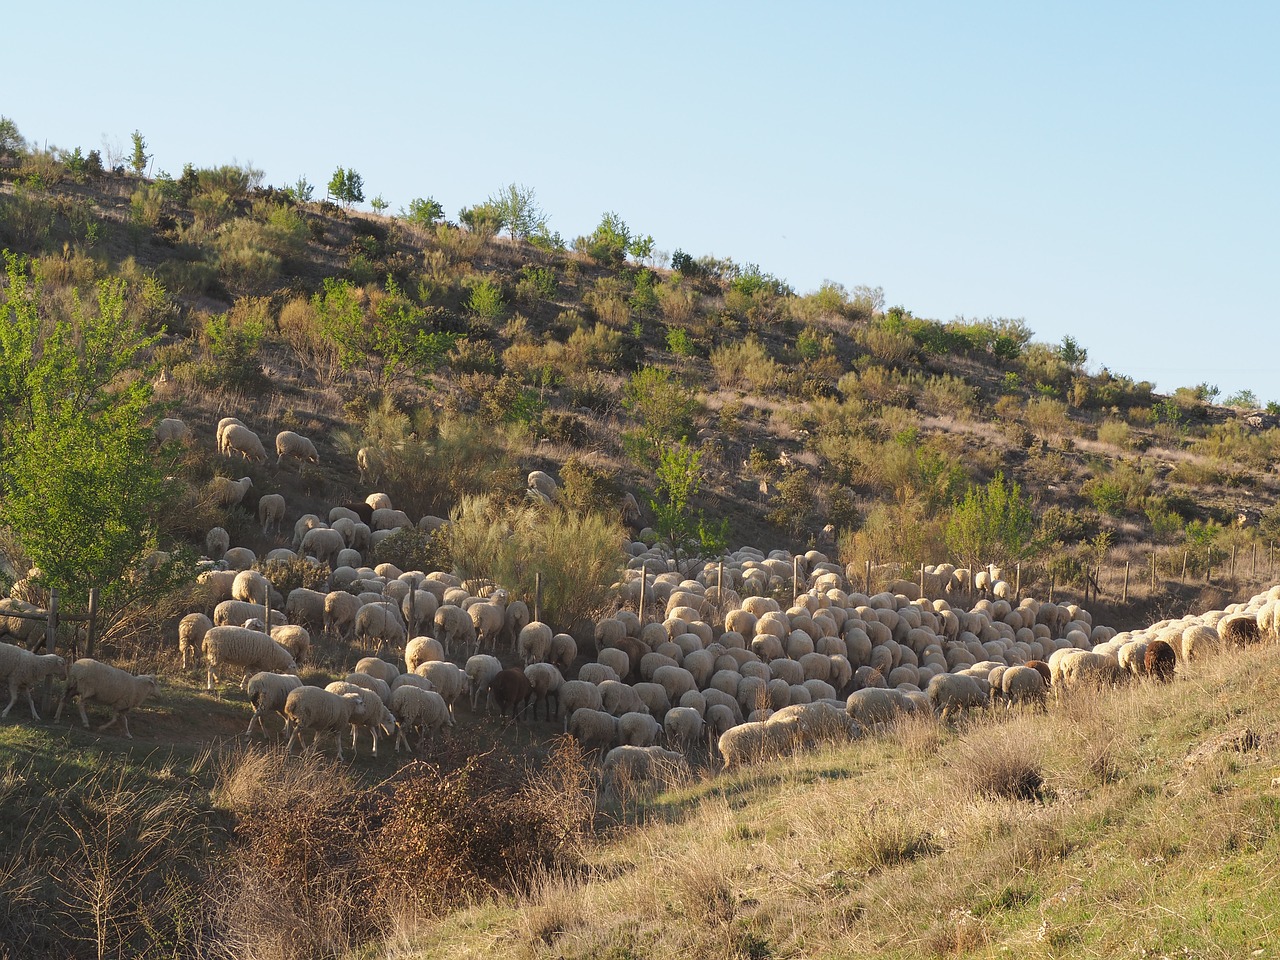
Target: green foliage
536,283
11,141
792,505
587,487
1242,400
80,487
683,263
139,158
680,343
664,409
1072,354
641,248
485,299
609,241
378,204
751,280
680,480
744,364
577,554
302,191
644,299
992,524
346,186
235,351
517,208
485,219
414,549
424,211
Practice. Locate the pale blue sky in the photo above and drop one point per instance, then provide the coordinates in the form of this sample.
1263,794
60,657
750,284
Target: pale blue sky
1104,170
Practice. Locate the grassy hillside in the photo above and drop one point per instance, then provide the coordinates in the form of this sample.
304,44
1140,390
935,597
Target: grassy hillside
824,418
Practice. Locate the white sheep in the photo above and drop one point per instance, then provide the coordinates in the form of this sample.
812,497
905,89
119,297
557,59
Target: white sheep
248,650
250,586
237,438
323,543
372,714
480,670
534,642
191,631
295,447
229,493
170,429
543,484
454,627
419,609
575,694
754,741
638,729
619,698
594,728
216,543
233,613
546,681
380,621
311,710
682,726
377,667
268,693
110,686
448,679
488,619
370,463
24,669
223,425
340,612
1023,685
294,638
239,558
634,763
305,607
952,693
375,684
421,710
271,512
378,501
873,706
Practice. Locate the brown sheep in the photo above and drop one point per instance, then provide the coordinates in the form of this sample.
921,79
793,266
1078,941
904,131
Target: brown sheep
509,689
1160,661
1042,668
1239,631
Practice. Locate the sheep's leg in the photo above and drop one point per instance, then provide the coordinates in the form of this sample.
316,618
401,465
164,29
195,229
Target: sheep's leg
293,732
84,717
124,721
30,703
115,715
252,719
13,698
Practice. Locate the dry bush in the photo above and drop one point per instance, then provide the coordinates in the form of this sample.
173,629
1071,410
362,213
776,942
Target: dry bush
677,301
744,365
1047,417
577,554
888,346
1001,762
320,864
1117,433
463,458
948,396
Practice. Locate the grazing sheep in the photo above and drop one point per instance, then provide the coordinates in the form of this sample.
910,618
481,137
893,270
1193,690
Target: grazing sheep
448,679
247,650
754,741
250,586
293,638
683,726
372,714
546,681
370,464
340,612
677,681
323,543
543,484
454,628
191,631
511,688
562,652
652,695
170,429
1199,642
534,643
223,425
375,684
229,493
238,438
381,622
268,693
1023,685
952,693
377,667
378,501
638,729
305,607
24,669
594,729
628,763
422,710
1092,669
619,698
295,447
489,619
420,650
1160,661
311,710
575,694
873,706
419,609
597,673
110,686
233,613
216,543
271,513
480,670
1239,630
239,558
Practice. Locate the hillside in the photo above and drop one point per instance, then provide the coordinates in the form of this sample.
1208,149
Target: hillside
820,419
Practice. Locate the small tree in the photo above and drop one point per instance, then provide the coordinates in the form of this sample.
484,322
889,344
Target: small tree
609,241
993,524
139,159
424,212
664,409
346,186
518,209
378,204
11,142
1072,354
485,219
302,191
680,479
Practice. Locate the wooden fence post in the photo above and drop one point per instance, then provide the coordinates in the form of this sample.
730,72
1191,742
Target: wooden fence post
91,635
1233,561
1153,571
922,579
795,579
720,604
1185,553
644,580
537,596
868,578
50,642
1253,567
1124,592
1053,582
1017,582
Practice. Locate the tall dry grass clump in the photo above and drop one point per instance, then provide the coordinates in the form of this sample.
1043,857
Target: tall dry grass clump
320,864
1001,762
578,555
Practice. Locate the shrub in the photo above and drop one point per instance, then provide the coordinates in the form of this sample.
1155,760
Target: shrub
1047,417
579,555
286,575
485,300
995,764
664,409
589,488
948,395
414,549
1117,433
886,345
744,365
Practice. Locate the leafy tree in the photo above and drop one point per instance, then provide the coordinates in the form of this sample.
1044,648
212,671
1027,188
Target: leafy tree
346,186
139,159
609,241
1072,354
302,191
665,410
1242,399
680,479
424,212
11,141
518,209
993,524
80,487
641,248
378,204
486,299
683,263
484,218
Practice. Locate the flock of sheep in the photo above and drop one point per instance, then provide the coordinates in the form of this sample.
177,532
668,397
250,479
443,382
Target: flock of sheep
713,660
